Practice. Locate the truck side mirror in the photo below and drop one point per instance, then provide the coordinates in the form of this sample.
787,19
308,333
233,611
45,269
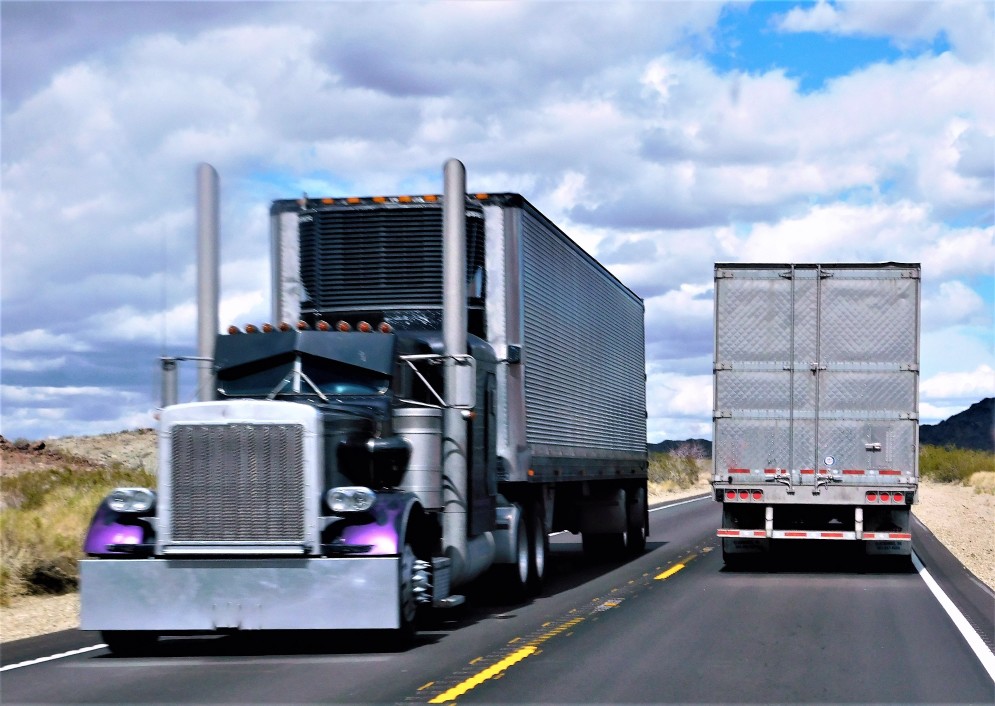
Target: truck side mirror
463,394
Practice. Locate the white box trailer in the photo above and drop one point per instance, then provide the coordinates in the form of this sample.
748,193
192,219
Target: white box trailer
816,404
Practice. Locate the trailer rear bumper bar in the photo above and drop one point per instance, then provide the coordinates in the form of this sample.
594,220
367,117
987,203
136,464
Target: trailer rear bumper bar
815,534
192,595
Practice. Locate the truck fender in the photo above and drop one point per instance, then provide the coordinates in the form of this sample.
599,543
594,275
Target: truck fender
383,528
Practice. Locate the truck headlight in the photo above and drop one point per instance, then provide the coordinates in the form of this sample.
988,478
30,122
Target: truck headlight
131,500
350,499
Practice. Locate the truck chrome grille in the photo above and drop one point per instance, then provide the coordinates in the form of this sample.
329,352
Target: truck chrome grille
238,483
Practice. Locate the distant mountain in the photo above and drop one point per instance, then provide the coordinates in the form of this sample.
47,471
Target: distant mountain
669,446
974,428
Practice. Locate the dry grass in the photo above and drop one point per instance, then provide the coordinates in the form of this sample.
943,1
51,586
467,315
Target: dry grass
44,521
982,482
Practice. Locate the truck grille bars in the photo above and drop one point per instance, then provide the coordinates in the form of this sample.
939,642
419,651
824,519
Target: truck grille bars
237,487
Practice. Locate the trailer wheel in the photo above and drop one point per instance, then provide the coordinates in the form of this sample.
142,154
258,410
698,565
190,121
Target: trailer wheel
129,643
635,521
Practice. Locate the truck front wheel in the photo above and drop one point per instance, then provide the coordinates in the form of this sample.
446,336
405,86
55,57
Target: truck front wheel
408,608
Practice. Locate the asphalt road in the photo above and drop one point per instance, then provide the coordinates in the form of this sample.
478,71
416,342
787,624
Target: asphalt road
670,626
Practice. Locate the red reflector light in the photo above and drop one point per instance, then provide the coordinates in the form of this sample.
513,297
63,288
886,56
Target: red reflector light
739,470
758,495
807,471
364,327
343,326
251,328
302,326
889,472
872,497
323,326
730,494
268,328
284,326
232,330
384,327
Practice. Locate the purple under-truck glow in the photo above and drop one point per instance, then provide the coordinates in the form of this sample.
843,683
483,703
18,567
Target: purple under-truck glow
382,535
105,530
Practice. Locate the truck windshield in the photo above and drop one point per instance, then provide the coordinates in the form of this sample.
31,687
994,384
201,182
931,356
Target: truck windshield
331,379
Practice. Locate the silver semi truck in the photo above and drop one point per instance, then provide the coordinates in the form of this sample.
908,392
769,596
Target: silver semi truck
446,380
816,404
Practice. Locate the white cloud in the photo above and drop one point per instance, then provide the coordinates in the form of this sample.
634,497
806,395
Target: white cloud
967,25
954,303
41,340
33,365
973,385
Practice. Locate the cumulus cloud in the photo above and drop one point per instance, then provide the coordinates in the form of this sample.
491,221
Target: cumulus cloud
968,26
975,384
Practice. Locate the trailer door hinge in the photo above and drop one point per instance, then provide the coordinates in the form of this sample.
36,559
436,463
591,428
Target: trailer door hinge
721,414
722,366
909,367
909,415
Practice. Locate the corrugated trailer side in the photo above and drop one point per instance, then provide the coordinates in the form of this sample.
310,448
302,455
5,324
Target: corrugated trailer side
582,387
816,402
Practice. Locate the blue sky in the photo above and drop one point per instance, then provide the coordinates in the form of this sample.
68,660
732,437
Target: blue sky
662,136
749,39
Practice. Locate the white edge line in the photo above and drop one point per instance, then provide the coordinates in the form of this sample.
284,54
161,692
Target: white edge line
80,651
681,502
974,640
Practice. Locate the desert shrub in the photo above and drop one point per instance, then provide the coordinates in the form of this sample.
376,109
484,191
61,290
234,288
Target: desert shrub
45,517
673,471
946,464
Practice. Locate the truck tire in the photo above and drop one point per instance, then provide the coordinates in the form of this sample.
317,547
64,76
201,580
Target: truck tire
515,576
408,608
635,520
538,549
129,643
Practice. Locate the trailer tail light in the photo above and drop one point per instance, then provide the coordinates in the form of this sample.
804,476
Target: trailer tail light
323,326
251,328
232,330
268,328
303,326
384,327
877,496
364,327
284,326
744,494
343,326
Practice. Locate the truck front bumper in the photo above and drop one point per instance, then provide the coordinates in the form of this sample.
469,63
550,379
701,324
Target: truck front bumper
192,595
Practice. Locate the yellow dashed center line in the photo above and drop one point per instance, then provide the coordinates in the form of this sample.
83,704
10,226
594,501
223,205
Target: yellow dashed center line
531,646
479,678
675,568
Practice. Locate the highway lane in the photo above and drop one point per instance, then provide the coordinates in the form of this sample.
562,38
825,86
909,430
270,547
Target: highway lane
599,634
328,666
